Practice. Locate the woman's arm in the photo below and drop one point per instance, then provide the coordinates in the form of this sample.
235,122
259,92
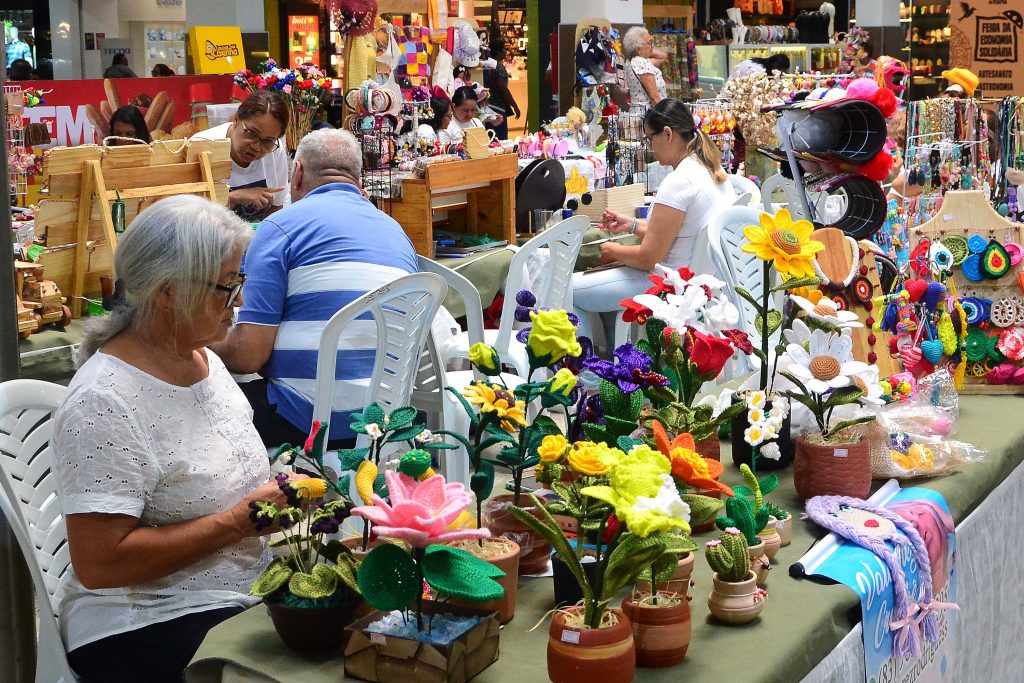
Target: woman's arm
650,87
506,95
660,232
112,551
658,56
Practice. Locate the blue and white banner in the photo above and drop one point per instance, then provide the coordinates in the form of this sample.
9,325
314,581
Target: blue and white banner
868,576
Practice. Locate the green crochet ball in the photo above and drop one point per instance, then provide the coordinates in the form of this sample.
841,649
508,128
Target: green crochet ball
414,463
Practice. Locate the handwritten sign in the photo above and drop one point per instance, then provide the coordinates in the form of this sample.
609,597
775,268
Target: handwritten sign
985,37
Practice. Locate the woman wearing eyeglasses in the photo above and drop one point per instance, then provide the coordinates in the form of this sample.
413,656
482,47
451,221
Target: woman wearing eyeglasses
156,457
259,163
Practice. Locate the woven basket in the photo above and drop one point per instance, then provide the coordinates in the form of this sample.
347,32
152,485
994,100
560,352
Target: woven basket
832,469
477,143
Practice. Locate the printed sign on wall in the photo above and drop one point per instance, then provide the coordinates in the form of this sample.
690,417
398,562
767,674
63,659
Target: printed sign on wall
985,37
216,49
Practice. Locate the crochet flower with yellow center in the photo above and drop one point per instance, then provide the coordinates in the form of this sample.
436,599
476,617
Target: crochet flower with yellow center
500,401
785,242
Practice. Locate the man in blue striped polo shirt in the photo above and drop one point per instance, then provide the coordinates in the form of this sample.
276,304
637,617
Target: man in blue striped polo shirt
306,262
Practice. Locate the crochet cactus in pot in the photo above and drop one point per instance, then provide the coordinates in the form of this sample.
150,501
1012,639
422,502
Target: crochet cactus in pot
728,556
740,514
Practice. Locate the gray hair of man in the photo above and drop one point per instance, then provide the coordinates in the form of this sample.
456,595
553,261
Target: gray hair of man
328,153
634,40
181,240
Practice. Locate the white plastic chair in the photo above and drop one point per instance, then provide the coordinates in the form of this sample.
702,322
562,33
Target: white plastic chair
31,504
779,182
743,185
554,289
402,311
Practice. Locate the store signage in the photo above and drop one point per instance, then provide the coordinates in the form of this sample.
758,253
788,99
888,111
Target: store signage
303,39
71,106
216,49
985,37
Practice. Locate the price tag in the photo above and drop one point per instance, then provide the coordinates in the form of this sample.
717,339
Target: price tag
571,637
947,217
780,525
378,639
840,452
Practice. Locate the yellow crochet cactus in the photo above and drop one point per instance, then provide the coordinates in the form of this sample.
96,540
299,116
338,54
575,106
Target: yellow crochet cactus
365,476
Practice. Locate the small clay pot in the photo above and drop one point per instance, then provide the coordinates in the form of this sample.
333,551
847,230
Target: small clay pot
785,528
312,629
591,654
534,550
710,447
661,634
741,450
832,469
735,603
759,562
508,563
771,538
679,583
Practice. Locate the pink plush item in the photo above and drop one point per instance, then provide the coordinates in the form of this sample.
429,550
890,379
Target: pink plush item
1018,376
862,89
420,512
1001,374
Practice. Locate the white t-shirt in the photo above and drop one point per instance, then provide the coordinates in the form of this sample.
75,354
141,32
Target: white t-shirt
638,97
128,443
268,171
456,127
427,132
692,189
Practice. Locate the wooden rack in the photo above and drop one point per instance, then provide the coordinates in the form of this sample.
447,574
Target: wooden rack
75,221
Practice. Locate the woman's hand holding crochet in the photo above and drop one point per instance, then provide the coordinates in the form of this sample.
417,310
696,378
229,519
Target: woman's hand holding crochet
270,492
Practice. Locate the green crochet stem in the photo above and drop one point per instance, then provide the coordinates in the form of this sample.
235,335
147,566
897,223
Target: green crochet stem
739,513
730,559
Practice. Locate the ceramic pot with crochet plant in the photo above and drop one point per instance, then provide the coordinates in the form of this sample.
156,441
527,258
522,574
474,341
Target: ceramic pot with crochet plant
661,627
735,597
750,517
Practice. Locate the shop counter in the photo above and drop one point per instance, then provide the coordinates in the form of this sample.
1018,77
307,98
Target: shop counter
807,631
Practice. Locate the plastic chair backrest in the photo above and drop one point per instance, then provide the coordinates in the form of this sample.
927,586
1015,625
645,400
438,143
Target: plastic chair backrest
743,185
403,311
430,374
563,241
816,200
32,505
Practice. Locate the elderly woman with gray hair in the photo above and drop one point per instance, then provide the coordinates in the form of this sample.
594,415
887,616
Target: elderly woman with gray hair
156,456
644,78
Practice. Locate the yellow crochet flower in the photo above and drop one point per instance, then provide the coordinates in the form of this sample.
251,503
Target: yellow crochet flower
485,358
310,488
814,295
552,337
694,460
642,492
590,459
495,399
563,382
552,448
786,243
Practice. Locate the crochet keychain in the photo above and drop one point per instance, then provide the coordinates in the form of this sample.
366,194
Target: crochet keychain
869,526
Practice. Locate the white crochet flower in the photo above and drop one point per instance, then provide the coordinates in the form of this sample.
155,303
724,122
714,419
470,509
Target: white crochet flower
827,312
771,451
826,364
373,431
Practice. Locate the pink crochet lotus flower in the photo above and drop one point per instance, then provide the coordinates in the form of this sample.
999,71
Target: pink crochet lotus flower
420,512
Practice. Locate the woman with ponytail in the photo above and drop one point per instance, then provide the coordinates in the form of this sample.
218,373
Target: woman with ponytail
688,198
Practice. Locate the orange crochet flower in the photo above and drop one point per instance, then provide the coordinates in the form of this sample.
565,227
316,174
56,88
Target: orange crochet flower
687,465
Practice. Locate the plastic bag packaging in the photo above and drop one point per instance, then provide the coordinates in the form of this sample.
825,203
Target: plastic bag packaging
909,441
500,521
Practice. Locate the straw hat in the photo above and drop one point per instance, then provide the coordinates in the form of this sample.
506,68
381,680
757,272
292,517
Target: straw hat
964,78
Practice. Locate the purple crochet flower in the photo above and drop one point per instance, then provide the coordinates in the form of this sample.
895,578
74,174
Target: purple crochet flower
631,372
593,410
287,489
526,298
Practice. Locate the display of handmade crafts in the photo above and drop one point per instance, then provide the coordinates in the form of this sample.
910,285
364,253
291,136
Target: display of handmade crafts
883,532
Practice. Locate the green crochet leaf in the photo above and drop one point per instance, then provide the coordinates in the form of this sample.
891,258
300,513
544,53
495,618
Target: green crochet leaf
373,414
406,433
774,322
664,568
628,561
272,578
702,508
465,405
768,484
352,457
617,427
741,490
348,572
380,486
459,574
796,283
400,417
654,328
843,396
482,481
387,578
596,433
319,584
679,544
627,443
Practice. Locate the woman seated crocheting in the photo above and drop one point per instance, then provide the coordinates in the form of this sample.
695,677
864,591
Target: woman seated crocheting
156,456
689,197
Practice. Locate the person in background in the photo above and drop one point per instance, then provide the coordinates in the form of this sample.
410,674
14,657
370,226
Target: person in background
501,100
128,122
17,48
156,458
161,70
689,197
962,83
435,129
644,78
259,164
19,70
119,68
464,113
307,262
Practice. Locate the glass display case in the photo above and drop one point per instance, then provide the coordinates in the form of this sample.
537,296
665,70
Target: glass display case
158,43
926,29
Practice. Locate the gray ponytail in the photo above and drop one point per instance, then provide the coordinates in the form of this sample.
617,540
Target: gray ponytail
181,240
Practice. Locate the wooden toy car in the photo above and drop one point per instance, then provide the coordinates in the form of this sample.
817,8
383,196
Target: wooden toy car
41,296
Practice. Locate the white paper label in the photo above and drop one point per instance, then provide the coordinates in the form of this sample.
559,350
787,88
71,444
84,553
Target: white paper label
571,637
840,452
378,639
780,525
947,217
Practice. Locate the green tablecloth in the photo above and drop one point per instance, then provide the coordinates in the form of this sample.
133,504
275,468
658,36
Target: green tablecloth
488,271
801,623
46,355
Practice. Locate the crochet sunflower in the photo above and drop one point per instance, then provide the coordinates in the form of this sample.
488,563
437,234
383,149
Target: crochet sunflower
495,399
786,242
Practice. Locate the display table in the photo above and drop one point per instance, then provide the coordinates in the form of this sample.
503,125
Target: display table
478,195
804,625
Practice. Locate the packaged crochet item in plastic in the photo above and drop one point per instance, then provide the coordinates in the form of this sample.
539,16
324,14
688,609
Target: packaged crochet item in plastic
911,442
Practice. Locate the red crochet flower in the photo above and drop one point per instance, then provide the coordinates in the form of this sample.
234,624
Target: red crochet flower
740,339
660,287
707,353
634,312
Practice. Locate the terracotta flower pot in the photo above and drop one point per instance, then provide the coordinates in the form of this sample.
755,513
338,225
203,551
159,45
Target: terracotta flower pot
741,450
735,603
710,447
534,550
759,562
771,538
679,583
312,629
508,562
661,634
832,469
785,529
591,654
